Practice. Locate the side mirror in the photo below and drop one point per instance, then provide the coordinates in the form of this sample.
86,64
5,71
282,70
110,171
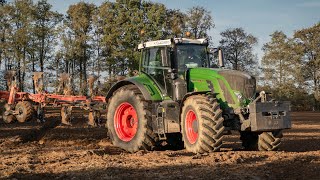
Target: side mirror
220,57
136,50
173,74
212,51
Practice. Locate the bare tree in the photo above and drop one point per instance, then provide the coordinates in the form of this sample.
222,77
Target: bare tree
238,49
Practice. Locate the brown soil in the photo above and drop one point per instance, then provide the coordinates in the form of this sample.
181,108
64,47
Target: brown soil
50,151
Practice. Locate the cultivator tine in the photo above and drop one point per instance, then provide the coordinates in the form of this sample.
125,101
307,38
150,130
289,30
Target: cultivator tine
66,115
38,81
65,84
10,77
98,118
40,113
94,118
91,80
91,121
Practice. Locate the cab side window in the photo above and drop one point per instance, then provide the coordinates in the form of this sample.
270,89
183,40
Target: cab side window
152,64
152,60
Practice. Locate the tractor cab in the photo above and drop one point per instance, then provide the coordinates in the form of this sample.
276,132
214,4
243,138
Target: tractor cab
167,62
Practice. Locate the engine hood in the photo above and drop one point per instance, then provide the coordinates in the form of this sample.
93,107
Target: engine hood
239,81
233,88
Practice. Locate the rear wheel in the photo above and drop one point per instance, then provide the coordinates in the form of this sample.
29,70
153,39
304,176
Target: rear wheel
129,120
202,124
174,141
25,111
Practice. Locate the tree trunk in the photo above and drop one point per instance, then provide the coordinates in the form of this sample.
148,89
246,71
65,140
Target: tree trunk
42,54
66,69
315,81
84,77
109,70
19,71
24,69
33,70
280,80
57,72
81,78
236,62
1,51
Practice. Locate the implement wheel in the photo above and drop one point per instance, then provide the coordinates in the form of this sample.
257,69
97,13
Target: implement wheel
129,120
202,124
25,111
7,118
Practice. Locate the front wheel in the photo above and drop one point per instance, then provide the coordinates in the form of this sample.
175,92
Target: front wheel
129,120
269,141
202,124
265,141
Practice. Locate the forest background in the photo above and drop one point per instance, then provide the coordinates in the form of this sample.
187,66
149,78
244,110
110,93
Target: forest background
102,41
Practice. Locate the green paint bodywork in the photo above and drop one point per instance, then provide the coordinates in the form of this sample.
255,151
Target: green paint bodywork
149,85
197,83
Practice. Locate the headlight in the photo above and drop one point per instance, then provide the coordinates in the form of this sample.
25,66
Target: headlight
178,40
239,95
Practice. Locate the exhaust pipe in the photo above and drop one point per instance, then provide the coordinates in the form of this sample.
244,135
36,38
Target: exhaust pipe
220,57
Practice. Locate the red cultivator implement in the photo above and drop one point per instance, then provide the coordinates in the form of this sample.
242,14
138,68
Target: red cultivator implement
23,106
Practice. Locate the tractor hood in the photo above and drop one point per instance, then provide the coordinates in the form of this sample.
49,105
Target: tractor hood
239,81
232,87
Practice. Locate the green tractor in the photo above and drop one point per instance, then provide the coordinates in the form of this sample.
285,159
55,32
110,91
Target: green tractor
182,98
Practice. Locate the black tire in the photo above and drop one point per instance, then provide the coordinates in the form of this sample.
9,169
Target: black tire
249,140
143,138
25,111
265,141
269,141
174,141
209,124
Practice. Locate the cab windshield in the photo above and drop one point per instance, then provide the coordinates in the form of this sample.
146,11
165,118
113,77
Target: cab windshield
192,56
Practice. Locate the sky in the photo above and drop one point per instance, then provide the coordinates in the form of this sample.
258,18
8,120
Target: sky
257,17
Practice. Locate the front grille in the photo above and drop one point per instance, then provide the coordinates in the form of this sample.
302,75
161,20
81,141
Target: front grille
241,82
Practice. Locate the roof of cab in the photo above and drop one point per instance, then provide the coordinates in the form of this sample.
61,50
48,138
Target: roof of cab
168,42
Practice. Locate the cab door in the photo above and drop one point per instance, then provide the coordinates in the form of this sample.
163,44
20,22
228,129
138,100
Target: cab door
156,64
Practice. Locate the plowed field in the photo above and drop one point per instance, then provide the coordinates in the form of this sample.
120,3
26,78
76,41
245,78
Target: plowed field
51,151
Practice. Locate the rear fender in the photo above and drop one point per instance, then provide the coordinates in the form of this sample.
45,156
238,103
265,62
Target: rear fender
150,91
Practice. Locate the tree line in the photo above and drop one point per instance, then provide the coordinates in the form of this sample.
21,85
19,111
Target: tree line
101,40
89,39
291,67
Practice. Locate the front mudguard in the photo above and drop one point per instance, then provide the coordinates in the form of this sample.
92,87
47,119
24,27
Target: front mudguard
269,116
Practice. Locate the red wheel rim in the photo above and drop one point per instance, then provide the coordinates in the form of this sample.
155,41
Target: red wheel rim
191,127
126,121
